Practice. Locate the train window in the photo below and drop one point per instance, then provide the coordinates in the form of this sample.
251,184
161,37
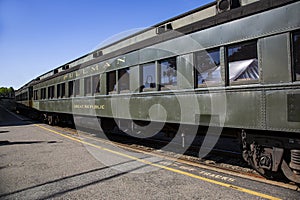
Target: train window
63,90
58,90
77,88
43,93
35,95
296,56
168,78
148,77
123,80
242,62
71,88
24,96
96,84
87,86
207,66
111,82
51,92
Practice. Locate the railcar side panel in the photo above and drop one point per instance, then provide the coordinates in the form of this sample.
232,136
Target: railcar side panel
275,59
245,110
282,107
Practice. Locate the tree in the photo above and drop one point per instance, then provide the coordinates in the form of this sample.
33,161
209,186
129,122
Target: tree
7,92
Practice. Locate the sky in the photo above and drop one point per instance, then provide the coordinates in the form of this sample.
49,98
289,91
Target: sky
37,36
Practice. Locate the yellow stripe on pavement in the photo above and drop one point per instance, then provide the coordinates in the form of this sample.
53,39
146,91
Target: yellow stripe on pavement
165,167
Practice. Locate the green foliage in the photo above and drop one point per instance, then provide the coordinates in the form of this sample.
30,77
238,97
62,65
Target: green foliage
7,92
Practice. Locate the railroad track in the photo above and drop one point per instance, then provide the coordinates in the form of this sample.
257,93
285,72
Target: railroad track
219,160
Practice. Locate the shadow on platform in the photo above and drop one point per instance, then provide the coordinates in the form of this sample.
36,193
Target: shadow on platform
61,186
6,142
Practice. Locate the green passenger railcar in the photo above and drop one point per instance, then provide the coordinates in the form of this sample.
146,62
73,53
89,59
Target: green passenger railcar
236,67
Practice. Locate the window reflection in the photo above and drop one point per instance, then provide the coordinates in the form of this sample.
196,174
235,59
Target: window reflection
77,87
242,60
35,95
111,82
207,67
96,84
43,93
124,80
63,90
296,56
87,86
149,77
58,87
168,73
51,92
71,88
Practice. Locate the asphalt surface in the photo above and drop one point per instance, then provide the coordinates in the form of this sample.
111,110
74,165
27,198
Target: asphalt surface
40,162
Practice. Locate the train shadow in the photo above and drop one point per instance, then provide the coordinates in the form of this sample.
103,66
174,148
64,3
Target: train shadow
62,186
226,150
7,143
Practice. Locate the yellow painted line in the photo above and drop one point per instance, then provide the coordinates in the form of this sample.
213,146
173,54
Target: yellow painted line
178,160
165,167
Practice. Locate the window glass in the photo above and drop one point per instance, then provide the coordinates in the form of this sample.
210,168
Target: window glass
87,86
51,92
296,56
149,76
242,62
43,93
63,90
207,65
35,95
111,82
168,72
124,80
71,88
96,84
77,87
58,90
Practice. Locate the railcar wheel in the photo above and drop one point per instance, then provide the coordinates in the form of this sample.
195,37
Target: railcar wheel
50,120
292,170
268,174
265,160
56,120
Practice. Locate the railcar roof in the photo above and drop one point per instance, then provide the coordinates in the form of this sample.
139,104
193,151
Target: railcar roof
135,34
202,22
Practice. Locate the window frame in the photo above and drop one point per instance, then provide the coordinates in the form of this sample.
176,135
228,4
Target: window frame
58,91
77,88
35,95
108,79
196,72
87,90
227,69
63,90
71,88
154,84
162,86
96,90
43,93
51,92
121,80
293,49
